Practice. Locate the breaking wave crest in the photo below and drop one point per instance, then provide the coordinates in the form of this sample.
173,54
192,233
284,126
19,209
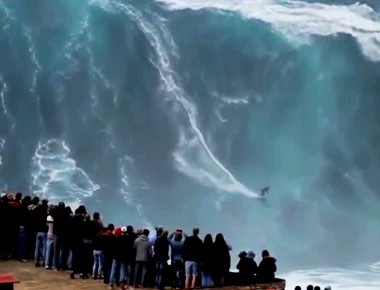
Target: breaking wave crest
299,20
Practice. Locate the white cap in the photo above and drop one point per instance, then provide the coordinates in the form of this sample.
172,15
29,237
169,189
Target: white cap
124,229
50,219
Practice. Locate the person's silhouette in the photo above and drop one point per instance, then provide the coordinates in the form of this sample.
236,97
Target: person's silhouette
264,191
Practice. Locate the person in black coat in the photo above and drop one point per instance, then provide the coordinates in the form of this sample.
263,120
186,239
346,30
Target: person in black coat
123,257
76,239
221,260
267,267
207,262
161,257
192,255
39,216
106,242
247,269
7,226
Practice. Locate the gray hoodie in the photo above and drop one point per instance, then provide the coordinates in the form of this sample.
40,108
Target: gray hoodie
143,249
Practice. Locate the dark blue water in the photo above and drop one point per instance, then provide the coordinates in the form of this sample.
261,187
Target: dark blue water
178,115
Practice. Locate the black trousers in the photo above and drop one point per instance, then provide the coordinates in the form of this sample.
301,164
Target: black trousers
86,261
177,270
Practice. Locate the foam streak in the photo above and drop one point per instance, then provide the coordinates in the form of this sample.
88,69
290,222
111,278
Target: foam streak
3,91
75,44
222,178
126,190
2,146
37,68
8,16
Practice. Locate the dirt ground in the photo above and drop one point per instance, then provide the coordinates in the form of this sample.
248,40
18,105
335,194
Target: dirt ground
32,278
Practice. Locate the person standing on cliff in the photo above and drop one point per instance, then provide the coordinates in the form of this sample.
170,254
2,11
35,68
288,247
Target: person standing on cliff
192,252
161,257
143,250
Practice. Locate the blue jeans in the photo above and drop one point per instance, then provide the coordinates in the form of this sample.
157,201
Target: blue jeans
160,270
63,254
70,259
124,269
40,248
49,251
191,268
206,280
58,253
21,242
97,268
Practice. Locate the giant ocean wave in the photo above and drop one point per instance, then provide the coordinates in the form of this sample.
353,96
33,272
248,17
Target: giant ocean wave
179,111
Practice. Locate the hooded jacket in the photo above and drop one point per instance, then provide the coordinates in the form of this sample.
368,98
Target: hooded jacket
267,268
143,249
192,249
247,269
161,249
124,251
105,242
39,216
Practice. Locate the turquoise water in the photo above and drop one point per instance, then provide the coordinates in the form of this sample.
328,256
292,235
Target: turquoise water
178,112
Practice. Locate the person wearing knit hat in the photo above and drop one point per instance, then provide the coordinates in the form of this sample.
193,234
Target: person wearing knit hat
251,255
247,268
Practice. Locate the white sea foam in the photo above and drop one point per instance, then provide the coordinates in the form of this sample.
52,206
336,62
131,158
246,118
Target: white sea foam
126,190
3,104
37,68
298,20
236,101
195,158
231,101
55,174
95,72
2,146
338,279
83,38
7,18
3,91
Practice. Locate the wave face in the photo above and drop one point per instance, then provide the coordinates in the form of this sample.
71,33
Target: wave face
177,112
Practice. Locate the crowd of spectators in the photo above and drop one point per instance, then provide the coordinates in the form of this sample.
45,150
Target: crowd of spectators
57,238
311,287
